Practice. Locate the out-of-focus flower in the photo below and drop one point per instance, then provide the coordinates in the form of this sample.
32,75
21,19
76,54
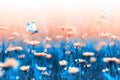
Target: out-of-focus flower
76,60
81,60
88,65
17,77
41,68
11,38
117,61
15,34
82,44
46,73
18,48
69,33
10,62
63,63
11,48
3,28
59,37
61,27
73,70
69,28
108,59
21,56
105,35
48,46
33,43
48,39
113,36
68,52
88,54
76,44
118,69
40,54
24,68
105,70
48,56
84,36
97,47
93,59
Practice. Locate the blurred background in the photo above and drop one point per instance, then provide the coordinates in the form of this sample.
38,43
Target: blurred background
84,15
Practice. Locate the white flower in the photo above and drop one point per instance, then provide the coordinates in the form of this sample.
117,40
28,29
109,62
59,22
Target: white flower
73,70
63,63
88,54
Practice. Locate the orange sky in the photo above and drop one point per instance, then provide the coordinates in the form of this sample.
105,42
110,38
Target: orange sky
49,14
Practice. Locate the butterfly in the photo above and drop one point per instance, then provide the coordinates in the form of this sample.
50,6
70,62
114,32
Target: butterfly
31,28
